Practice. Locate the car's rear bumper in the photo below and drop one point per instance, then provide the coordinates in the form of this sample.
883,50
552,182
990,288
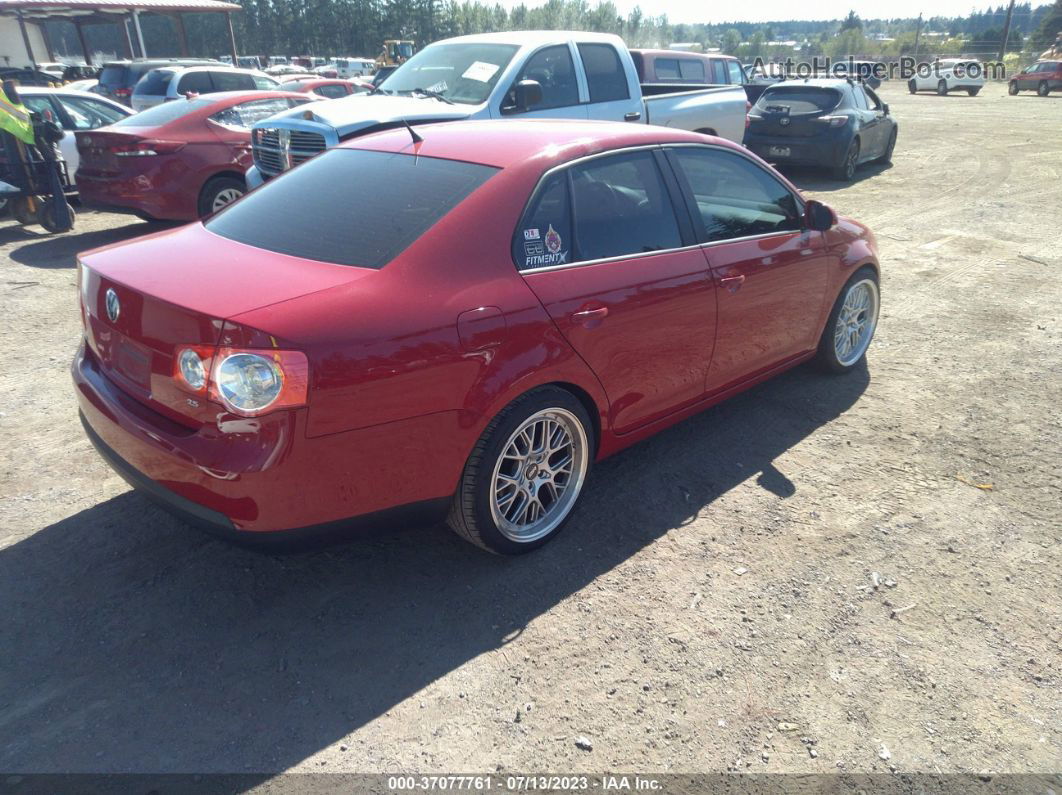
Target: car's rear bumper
824,150
263,479
136,193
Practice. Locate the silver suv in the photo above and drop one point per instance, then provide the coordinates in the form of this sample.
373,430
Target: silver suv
161,85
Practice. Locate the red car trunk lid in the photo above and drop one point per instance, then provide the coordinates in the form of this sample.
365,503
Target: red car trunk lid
176,288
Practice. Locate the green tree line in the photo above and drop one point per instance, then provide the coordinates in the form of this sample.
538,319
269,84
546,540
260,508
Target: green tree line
359,27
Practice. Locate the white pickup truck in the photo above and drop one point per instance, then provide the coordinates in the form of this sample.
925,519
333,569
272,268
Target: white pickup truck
548,74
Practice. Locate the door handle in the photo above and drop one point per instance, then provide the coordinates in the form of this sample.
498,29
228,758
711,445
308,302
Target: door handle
732,283
632,116
590,317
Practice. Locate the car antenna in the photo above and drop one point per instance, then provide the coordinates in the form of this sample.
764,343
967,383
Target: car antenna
412,133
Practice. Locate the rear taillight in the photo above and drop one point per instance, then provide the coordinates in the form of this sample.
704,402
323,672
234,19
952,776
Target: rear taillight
748,118
123,92
833,121
246,382
147,148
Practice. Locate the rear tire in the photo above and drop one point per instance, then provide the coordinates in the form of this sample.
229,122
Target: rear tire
973,92
846,170
525,474
48,215
1042,90
942,88
912,86
851,325
219,193
1013,89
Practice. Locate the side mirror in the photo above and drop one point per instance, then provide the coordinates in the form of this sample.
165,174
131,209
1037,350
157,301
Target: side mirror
885,108
526,94
818,217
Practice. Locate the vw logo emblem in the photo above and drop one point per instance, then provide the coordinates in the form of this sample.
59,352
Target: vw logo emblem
114,306
784,121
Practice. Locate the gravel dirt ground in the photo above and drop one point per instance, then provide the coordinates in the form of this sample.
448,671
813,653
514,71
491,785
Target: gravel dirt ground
712,606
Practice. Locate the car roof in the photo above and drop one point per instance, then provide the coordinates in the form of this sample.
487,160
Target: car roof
503,143
532,38
673,53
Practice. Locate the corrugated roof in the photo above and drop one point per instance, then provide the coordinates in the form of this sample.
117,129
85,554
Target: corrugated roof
78,7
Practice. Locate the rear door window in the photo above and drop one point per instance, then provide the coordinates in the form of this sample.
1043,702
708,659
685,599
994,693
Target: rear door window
331,91
718,71
420,191
198,82
734,70
604,73
247,114
155,83
666,69
232,81
544,238
621,207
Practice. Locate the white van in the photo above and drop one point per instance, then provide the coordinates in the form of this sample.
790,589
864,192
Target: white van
347,68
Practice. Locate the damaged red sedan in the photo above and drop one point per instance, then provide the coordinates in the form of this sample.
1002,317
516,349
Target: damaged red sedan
523,299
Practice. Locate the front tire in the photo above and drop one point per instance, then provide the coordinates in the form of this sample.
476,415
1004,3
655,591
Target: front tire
912,86
942,88
851,324
973,92
1012,89
525,474
1042,90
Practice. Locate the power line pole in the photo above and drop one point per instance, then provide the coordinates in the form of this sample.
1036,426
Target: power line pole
918,33
1006,31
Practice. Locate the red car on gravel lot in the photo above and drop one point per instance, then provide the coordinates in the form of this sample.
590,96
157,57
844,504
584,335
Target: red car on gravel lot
177,161
524,298
328,88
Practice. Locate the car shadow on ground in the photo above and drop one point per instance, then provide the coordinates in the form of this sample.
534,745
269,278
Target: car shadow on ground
43,250
134,643
820,181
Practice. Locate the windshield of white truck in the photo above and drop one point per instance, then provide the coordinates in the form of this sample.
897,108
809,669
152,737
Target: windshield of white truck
462,73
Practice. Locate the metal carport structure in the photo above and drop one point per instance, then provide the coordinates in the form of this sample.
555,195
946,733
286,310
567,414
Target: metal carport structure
118,12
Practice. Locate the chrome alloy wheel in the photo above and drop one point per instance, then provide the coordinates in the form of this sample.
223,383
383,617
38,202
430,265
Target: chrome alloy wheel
856,322
224,198
539,475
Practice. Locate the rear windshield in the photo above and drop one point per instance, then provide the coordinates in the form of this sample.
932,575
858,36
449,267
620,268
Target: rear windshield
799,99
166,112
301,213
155,83
113,76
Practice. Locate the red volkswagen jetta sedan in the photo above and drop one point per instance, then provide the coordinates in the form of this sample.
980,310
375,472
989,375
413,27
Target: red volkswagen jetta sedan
520,299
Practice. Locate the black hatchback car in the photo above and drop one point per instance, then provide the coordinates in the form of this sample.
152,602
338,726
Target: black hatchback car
833,123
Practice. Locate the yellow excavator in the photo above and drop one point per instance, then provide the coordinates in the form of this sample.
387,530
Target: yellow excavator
395,52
